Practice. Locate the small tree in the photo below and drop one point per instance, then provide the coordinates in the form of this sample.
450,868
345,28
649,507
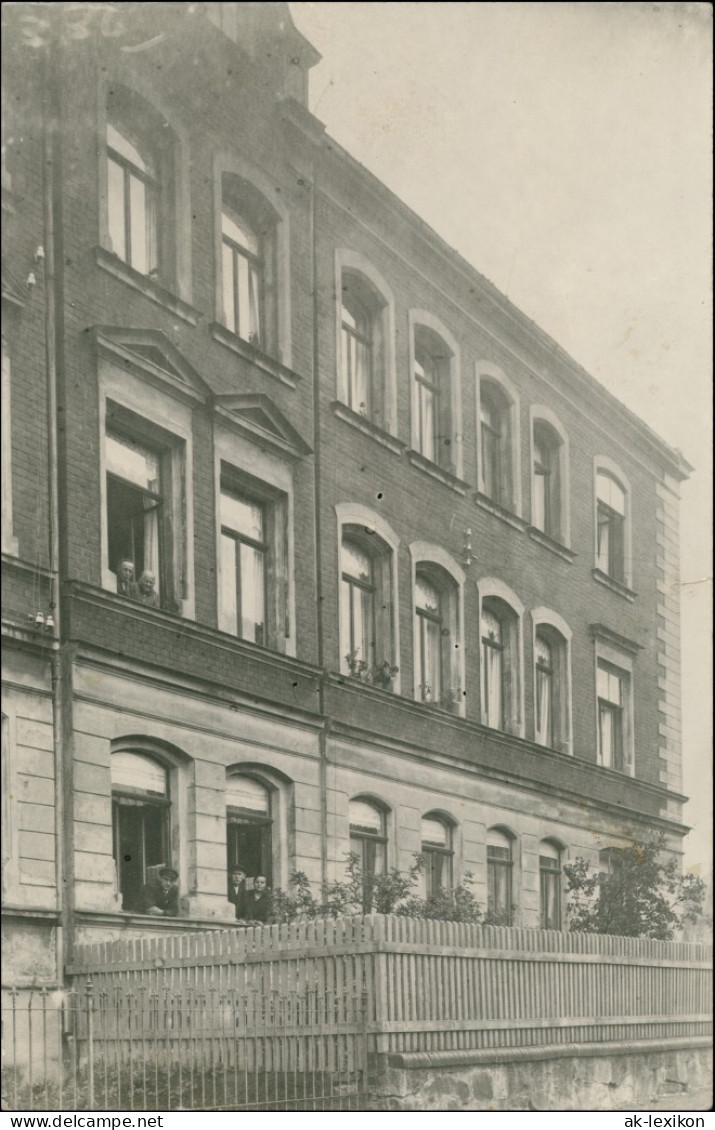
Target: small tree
641,896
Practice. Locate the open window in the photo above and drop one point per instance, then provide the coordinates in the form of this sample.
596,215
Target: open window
550,879
249,827
500,865
501,681
144,507
141,807
438,854
368,841
254,559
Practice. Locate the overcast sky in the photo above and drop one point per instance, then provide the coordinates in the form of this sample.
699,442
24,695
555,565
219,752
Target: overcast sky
564,150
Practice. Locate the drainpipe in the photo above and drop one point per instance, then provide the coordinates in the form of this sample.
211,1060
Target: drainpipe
49,90
318,539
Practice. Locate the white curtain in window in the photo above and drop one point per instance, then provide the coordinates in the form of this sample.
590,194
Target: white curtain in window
606,734
494,661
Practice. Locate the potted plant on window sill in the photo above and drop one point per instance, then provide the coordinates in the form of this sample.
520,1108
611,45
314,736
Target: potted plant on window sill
448,700
379,675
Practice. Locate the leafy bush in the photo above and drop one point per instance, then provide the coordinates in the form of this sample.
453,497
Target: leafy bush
642,895
393,892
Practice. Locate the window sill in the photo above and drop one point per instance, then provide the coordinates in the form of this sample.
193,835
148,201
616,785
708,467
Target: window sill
353,682
504,515
253,355
436,472
615,586
551,544
362,424
151,289
149,609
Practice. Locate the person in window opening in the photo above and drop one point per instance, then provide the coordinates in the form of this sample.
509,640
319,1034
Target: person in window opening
160,897
237,890
147,593
257,903
126,585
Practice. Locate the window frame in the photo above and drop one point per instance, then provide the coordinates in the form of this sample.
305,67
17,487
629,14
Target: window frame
151,185
432,852
357,832
547,431
373,293
619,572
558,635
270,504
238,816
368,593
376,537
430,338
256,199
442,572
139,106
494,389
550,883
173,533
125,797
498,599
256,269
495,866
616,661
271,484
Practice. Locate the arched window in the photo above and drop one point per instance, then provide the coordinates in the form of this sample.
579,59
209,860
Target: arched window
368,841
499,877
610,526
498,458
547,503
437,852
437,670
242,263
141,189
552,680
363,346
366,620
140,818
249,827
545,689
432,407
501,614
428,612
493,670
132,200
550,885
248,263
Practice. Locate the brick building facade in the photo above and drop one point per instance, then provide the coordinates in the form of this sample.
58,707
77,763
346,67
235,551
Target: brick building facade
414,569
